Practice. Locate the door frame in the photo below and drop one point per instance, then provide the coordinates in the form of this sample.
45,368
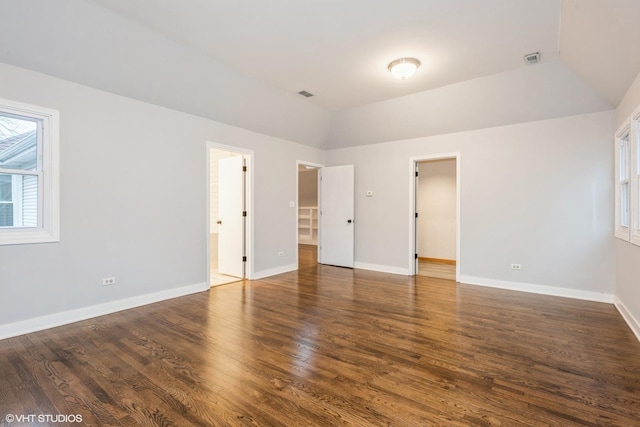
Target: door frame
249,203
413,163
318,166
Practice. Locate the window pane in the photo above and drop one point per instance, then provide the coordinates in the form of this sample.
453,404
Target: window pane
18,143
5,188
624,158
638,154
18,201
624,204
29,206
6,214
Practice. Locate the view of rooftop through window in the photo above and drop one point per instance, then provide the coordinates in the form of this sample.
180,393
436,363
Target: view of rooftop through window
17,143
18,160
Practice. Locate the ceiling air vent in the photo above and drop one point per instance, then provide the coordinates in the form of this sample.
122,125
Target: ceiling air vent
532,58
305,94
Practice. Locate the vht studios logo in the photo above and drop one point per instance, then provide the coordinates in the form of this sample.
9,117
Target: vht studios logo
42,418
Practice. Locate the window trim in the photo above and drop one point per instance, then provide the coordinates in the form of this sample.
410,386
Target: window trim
48,173
624,131
634,176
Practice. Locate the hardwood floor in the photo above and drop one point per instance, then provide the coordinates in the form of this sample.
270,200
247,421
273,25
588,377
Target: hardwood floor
328,346
307,256
437,270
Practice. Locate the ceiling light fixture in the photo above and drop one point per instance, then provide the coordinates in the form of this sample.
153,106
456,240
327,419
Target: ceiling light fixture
403,67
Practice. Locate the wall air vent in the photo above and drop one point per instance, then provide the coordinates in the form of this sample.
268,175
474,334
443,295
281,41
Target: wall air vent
305,94
532,58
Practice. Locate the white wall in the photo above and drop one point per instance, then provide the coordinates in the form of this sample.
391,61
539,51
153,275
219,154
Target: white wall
133,201
627,254
437,209
536,193
629,103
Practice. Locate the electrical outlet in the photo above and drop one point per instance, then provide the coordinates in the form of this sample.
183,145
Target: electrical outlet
108,281
280,253
516,267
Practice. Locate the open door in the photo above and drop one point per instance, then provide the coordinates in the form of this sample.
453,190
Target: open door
231,219
336,216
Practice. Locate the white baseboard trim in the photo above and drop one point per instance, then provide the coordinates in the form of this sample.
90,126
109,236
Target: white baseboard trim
381,268
273,271
628,317
57,319
538,289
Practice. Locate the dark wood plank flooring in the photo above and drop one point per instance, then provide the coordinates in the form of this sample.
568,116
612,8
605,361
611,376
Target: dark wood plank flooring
307,256
328,346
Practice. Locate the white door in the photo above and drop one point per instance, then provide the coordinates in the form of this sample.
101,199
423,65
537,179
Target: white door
336,216
230,216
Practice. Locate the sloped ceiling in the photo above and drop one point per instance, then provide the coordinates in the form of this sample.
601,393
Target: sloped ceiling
243,62
339,50
600,42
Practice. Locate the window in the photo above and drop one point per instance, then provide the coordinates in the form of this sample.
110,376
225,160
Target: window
635,179
28,174
623,183
627,208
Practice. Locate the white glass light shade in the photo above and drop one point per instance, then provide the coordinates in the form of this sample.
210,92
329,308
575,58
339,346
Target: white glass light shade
403,67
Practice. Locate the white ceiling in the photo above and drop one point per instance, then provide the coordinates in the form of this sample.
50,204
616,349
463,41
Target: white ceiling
242,62
339,50
600,42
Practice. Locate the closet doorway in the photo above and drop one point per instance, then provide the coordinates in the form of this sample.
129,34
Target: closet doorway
436,219
229,228
308,224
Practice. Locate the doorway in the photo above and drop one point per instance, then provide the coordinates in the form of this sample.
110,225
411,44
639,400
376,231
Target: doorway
229,228
435,216
308,224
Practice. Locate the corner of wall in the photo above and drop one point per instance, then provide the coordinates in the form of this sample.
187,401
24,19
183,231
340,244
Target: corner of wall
628,317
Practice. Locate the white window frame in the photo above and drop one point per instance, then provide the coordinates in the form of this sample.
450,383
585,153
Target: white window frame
16,195
48,229
623,134
635,177
12,202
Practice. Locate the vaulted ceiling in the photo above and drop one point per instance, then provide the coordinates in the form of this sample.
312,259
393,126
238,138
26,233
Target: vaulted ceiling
252,53
339,50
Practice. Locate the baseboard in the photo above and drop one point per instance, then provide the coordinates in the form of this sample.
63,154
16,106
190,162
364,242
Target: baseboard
628,317
381,268
273,271
58,319
437,260
538,289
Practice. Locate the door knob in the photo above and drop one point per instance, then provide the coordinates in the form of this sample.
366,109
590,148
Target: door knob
219,222
349,221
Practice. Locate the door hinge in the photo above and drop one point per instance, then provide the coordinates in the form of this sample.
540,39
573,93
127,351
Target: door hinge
416,214
416,173
244,168
244,259
244,213
416,256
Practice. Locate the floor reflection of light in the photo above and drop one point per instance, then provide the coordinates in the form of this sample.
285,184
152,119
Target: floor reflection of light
223,340
305,350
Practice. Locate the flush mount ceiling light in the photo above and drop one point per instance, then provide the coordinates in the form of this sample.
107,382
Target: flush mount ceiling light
403,67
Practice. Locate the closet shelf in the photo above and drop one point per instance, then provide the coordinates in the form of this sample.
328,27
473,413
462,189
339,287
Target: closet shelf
308,224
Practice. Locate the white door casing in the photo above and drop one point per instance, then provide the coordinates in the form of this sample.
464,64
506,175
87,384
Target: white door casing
337,216
231,220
